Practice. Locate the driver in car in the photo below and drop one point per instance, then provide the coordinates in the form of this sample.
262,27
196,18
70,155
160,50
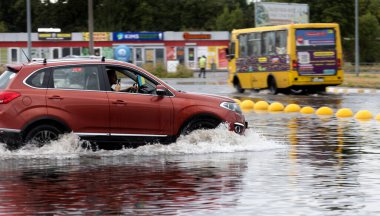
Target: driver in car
112,78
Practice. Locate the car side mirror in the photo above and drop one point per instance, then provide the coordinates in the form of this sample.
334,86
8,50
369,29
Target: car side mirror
160,90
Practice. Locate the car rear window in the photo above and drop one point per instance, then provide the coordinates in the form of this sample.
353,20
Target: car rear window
38,79
5,78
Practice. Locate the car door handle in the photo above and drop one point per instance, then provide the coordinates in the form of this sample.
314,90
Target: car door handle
121,102
55,97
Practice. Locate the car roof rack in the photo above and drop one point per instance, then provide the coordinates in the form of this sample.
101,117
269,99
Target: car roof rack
69,58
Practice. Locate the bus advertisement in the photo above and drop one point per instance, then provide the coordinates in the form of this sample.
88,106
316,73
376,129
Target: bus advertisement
295,58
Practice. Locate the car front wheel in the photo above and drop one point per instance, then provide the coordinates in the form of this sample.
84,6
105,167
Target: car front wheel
198,124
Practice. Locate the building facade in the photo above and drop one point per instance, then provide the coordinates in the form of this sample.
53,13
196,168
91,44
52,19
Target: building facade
166,48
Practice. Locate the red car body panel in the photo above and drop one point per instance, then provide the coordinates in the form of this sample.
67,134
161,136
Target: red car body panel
82,111
140,114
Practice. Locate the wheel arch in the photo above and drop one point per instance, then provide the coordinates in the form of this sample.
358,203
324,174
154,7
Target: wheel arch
235,80
269,78
61,125
196,117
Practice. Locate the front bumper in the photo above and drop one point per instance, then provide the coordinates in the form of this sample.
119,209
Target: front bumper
239,128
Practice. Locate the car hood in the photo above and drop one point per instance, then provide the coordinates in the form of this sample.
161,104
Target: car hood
205,96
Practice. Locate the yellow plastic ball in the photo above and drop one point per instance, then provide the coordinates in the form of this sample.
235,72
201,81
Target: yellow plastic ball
237,101
363,114
324,111
292,108
307,110
276,107
247,104
344,113
261,105
378,117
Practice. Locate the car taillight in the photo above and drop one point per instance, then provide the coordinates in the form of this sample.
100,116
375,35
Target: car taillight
8,96
339,64
295,64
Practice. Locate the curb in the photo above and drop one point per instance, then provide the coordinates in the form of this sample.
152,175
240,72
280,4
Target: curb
347,90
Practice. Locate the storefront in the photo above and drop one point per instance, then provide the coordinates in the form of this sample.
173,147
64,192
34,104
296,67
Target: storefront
139,47
166,48
187,47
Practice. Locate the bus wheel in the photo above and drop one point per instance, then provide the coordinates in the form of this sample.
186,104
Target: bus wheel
272,86
238,87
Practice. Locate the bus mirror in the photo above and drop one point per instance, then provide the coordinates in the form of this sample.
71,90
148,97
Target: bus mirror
230,56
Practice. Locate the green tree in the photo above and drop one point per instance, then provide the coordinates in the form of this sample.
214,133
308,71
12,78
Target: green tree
230,20
369,32
3,27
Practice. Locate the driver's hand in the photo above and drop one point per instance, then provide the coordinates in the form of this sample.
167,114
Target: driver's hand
117,87
132,89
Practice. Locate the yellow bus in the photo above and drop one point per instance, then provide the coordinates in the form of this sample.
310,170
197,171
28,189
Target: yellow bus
294,58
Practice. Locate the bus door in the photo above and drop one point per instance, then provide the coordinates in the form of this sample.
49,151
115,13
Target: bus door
316,52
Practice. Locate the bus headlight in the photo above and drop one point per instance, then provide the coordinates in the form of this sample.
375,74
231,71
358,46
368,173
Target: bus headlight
231,106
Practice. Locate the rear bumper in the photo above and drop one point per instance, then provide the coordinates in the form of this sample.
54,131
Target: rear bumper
12,137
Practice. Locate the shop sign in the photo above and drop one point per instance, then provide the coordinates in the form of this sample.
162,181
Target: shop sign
54,36
188,36
137,36
98,36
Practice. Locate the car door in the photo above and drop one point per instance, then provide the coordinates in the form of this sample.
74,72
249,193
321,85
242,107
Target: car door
75,96
140,114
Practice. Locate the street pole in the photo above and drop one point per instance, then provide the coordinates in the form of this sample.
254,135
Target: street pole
91,27
357,38
29,28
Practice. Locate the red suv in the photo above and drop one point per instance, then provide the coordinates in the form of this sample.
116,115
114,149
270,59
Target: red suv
103,101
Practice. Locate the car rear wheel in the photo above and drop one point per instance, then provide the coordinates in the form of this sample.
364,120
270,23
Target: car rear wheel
198,124
42,135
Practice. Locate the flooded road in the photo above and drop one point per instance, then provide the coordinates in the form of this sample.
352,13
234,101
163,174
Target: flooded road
286,164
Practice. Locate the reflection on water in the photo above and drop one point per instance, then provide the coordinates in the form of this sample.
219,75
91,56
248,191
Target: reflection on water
286,164
127,186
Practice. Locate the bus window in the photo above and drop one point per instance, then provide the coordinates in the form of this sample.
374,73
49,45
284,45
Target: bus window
281,38
268,46
254,44
315,39
243,51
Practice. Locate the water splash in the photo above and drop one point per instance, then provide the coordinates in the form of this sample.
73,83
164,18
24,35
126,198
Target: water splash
218,140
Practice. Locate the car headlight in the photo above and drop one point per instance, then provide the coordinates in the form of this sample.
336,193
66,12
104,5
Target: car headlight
231,106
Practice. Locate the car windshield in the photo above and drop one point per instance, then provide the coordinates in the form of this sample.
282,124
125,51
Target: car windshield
5,78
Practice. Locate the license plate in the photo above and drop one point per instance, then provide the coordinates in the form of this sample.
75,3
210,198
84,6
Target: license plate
317,79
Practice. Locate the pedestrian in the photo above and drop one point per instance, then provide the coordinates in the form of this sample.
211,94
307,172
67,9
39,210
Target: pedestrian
202,66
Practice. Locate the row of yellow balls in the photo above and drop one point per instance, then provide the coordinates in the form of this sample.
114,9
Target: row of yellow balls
247,105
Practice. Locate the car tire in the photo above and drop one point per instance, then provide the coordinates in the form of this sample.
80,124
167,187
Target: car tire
42,135
198,124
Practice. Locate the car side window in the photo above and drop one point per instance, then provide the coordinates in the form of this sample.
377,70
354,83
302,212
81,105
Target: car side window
76,77
130,81
38,79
